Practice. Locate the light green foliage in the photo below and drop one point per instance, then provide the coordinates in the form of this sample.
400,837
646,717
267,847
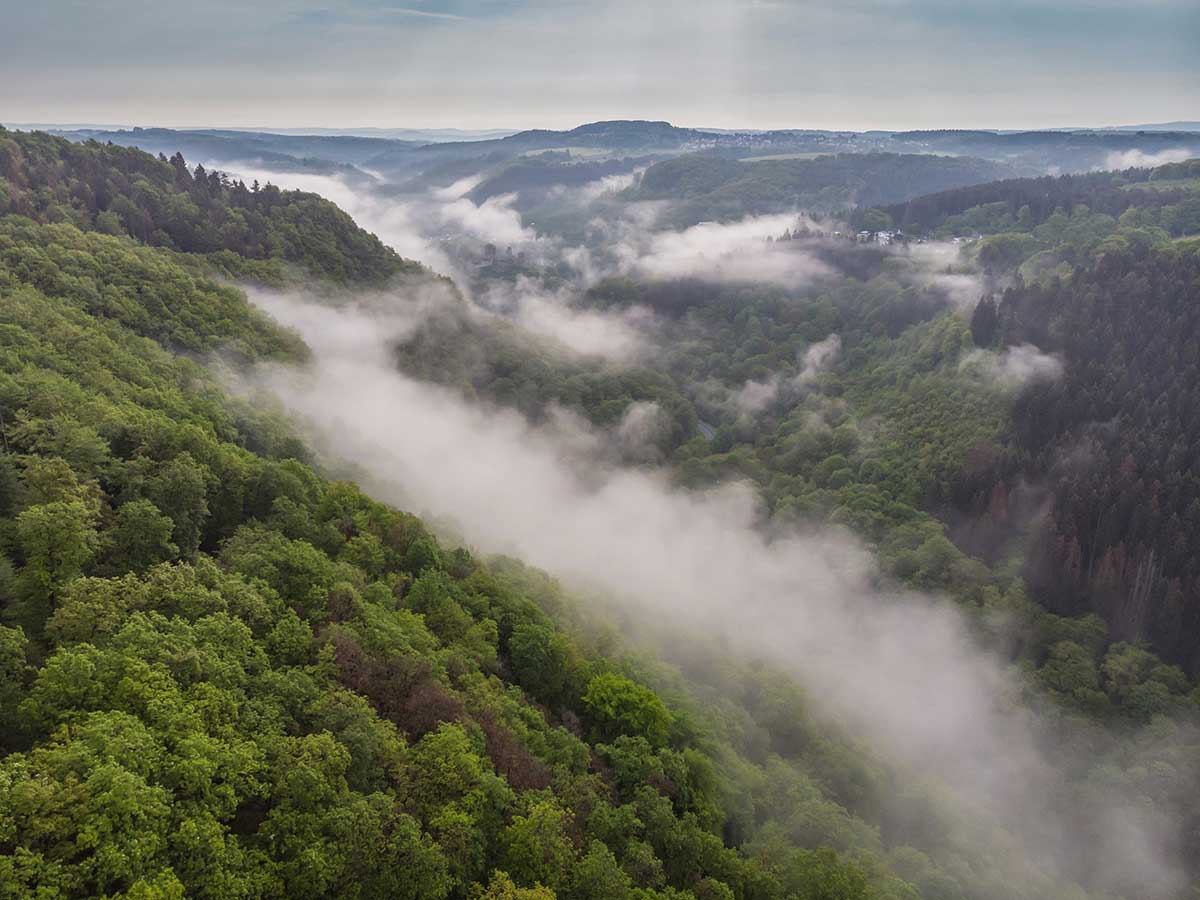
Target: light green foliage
502,887
821,875
298,571
619,705
598,876
141,537
536,849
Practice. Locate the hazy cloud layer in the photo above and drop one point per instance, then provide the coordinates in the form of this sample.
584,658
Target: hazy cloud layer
619,336
399,224
940,265
818,358
756,395
736,251
416,226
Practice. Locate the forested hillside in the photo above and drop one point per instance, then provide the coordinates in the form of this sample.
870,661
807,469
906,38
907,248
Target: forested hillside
227,677
1116,444
1101,270
160,202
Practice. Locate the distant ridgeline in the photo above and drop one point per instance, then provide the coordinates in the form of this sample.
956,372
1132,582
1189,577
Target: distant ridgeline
1022,153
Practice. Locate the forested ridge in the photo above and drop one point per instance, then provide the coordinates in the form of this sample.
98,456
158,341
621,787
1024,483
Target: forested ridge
1025,203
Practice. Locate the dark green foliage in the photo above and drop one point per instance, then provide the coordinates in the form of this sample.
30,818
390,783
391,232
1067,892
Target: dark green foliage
1117,437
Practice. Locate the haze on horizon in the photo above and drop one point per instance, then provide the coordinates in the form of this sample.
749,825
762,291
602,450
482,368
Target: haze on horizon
888,64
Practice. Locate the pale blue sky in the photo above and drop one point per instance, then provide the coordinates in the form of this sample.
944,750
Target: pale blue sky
529,63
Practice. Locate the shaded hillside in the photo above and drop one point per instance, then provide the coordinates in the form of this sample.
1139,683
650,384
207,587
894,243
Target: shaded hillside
1115,444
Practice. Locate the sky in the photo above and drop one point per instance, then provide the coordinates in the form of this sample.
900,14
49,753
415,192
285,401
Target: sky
853,64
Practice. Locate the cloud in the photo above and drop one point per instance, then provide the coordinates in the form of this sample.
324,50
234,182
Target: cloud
738,251
540,64
423,13
1015,366
493,221
897,667
621,336
458,189
417,226
1137,159
818,358
756,395
642,426
609,184
400,224
940,265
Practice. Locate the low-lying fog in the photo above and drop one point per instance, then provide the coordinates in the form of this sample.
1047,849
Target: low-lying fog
897,667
